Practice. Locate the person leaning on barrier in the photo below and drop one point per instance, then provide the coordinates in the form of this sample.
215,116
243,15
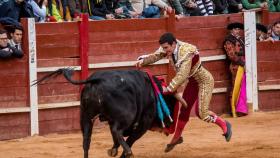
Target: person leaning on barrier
275,31
274,5
235,6
15,9
190,8
198,81
16,37
6,51
234,48
261,32
252,4
150,8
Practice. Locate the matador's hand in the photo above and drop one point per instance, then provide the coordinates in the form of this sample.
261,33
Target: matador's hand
179,97
139,63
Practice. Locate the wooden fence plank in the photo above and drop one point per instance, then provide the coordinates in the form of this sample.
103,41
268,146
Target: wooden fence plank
57,28
208,21
125,36
59,98
127,25
52,89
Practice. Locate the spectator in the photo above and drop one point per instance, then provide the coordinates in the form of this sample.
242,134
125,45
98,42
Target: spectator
175,4
99,11
6,51
84,5
16,37
53,11
74,9
150,8
235,50
274,5
261,32
15,9
206,7
275,31
221,6
124,7
252,4
7,21
234,6
190,8
39,9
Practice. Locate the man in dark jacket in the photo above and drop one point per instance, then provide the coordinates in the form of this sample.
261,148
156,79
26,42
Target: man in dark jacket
6,51
99,11
15,9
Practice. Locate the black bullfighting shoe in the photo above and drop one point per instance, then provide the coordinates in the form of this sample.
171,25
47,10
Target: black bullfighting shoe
169,147
229,132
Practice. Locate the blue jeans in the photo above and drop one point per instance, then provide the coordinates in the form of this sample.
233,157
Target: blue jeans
151,12
93,17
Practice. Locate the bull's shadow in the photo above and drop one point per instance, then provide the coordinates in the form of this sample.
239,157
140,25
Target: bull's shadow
123,98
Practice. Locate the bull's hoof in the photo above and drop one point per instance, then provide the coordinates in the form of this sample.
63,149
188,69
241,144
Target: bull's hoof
169,147
127,155
113,152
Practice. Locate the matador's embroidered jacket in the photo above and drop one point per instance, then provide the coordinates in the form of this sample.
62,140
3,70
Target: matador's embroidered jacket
185,58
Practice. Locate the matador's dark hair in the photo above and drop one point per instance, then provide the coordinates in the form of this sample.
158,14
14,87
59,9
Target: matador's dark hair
167,38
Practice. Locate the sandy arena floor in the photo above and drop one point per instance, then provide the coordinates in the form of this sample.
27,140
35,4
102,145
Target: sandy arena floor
254,136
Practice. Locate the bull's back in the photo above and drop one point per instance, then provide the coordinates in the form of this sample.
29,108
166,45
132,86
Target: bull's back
125,94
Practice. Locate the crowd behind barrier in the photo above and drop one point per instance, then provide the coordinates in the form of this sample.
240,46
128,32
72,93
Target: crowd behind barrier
111,47
70,10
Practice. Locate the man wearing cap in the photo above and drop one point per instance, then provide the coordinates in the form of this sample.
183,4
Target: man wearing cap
199,84
234,47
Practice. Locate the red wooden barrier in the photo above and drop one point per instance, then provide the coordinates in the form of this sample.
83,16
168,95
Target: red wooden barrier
269,18
61,44
268,75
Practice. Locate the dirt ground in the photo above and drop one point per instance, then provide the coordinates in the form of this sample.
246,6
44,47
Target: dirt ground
254,136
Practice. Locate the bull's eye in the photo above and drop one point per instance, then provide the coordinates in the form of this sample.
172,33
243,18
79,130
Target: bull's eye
122,79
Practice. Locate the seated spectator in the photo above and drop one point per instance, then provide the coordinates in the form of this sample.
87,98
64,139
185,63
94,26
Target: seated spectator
252,4
261,32
15,9
74,9
221,6
16,37
7,21
122,9
39,9
150,8
98,10
190,8
6,51
274,5
53,11
234,6
176,5
206,7
275,31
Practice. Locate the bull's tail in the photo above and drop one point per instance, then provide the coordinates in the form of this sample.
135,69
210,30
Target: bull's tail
67,72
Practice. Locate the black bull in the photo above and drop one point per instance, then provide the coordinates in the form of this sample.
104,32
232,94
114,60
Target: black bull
124,98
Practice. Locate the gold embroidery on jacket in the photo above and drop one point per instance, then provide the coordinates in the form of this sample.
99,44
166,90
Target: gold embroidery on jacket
183,65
